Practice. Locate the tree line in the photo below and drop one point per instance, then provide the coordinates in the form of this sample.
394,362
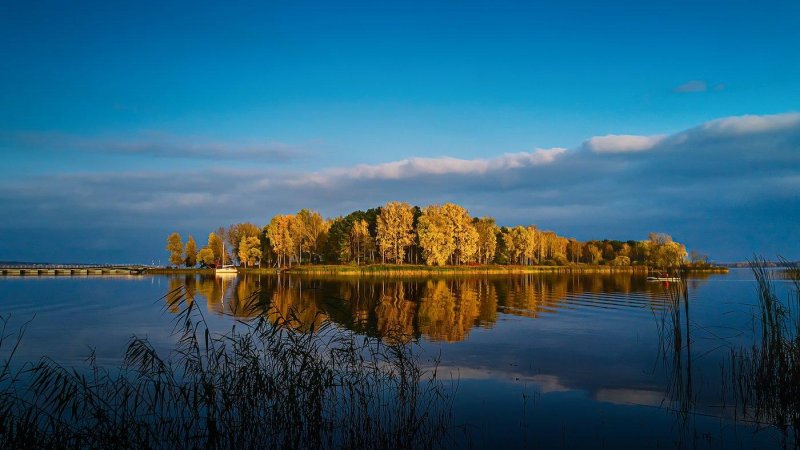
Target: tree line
398,233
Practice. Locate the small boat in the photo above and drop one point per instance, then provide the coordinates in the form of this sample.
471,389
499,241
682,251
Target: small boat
661,276
225,269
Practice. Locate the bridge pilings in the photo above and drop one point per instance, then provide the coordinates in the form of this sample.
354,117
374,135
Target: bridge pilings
69,271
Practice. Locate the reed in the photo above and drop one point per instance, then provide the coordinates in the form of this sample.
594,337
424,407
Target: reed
765,378
675,354
263,384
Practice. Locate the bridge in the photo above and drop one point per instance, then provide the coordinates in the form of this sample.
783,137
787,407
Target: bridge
71,269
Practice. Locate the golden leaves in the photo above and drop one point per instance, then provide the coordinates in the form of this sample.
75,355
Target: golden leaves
395,230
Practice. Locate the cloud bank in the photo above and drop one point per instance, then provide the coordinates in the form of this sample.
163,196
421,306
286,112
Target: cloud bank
621,143
728,187
158,145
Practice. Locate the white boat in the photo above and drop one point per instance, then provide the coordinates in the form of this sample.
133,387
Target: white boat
225,269
661,276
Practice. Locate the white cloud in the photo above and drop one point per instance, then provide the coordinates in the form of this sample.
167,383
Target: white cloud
751,124
691,86
414,167
621,143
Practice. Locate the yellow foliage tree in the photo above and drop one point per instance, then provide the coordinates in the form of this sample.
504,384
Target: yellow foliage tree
435,235
517,243
309,231
487,239
175,249
216,245
190,252
250,250
206,256
281,232
360,240
237,231
465,236
661,251
531,244
395,227
297,230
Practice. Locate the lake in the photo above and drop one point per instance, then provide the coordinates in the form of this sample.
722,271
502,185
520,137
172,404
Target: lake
535,361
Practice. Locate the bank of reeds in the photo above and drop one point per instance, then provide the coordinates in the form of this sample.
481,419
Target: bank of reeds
765,378
260,385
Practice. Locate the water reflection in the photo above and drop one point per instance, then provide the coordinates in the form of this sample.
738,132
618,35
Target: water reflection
443,309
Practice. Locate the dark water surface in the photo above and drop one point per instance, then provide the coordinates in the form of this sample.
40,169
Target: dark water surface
539,361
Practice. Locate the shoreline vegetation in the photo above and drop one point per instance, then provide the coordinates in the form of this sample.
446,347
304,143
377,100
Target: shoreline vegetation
272,383
414,270
400,238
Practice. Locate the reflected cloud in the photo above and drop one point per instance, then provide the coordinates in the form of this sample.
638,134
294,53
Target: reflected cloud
630,397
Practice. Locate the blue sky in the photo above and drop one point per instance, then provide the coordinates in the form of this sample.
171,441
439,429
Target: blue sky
120,122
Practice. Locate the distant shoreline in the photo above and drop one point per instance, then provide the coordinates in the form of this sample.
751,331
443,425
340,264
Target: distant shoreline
413,269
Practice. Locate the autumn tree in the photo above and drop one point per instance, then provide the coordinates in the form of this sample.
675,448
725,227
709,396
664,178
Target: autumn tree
360,240
395,230
206,257
532,245
608,251
297,230
250,250
592,253
281,232
218,247
175,249
435,235
190,252
663,252
237,231
621,261
465,237
574,250
487,239
560,250
309,231
512,238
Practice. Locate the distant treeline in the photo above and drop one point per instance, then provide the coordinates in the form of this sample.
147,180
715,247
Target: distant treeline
399,233
770,264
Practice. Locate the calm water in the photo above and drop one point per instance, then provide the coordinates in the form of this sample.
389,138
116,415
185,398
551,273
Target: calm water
541,361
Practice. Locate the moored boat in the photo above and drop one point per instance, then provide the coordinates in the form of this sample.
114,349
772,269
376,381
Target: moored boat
661,276
225,269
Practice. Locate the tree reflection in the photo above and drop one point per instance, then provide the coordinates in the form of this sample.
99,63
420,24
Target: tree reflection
439,309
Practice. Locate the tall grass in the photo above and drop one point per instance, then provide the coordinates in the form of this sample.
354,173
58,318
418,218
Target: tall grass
675,354
261,385
765,378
